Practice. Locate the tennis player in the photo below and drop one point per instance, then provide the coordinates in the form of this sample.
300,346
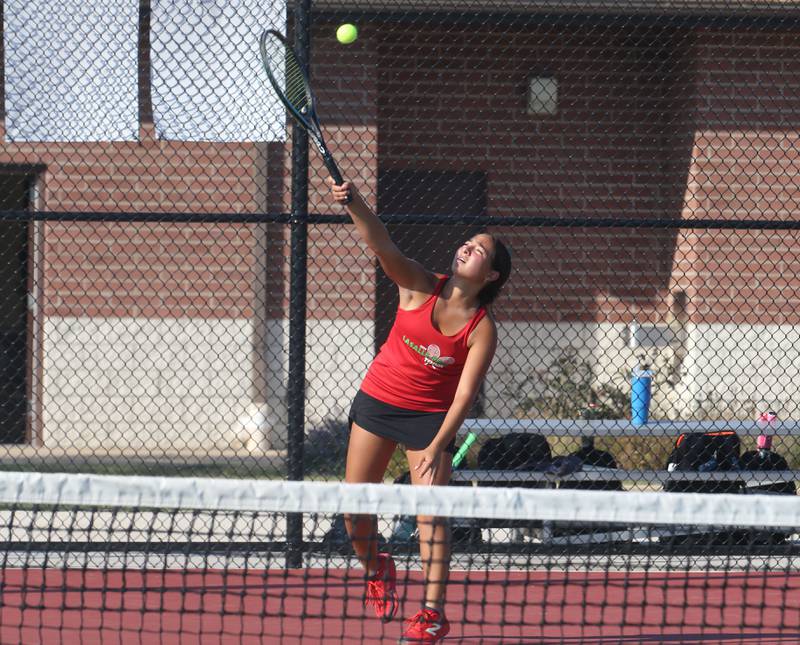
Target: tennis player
416,394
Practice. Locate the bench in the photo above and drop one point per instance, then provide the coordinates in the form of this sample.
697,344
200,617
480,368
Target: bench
621,428
486,428
616,428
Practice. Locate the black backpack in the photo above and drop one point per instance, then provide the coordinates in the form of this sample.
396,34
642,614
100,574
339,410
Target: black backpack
516,451
591,456
766,460
762,461
716,451
593,531
464,533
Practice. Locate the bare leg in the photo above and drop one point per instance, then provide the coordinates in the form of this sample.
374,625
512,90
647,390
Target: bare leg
368,456
434,536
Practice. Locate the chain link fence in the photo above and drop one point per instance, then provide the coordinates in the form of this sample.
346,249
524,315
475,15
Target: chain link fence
181,295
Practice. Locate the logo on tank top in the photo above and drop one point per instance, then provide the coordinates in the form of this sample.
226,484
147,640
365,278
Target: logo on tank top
432,354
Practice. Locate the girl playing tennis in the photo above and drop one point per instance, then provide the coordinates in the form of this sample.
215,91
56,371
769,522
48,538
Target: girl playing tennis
417,393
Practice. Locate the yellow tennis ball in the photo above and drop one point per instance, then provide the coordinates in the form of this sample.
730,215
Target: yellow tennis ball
346,33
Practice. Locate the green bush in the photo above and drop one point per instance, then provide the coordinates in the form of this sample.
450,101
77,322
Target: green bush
568,389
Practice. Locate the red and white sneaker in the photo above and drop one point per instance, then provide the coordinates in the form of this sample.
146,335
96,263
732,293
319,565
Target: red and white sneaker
427,626
382,589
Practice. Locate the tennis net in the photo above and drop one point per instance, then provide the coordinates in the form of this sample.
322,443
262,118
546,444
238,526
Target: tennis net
170,560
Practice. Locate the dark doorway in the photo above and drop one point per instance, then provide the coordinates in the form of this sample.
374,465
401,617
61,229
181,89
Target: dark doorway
15,195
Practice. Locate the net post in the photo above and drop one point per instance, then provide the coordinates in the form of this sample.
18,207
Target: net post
297,298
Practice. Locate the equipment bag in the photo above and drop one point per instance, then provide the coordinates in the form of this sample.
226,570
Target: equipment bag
716,451
764,461
594,531
516,451
591,456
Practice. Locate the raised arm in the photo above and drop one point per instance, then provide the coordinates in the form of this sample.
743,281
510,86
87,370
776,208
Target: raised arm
404,272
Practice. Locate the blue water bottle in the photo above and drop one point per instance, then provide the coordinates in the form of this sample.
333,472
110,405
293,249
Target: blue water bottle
641,388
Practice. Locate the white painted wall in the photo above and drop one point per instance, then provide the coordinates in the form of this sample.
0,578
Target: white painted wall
191,385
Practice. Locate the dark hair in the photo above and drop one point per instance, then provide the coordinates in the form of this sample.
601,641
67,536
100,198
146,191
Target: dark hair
501,262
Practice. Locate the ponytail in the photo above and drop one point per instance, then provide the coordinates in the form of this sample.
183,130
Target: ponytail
501,262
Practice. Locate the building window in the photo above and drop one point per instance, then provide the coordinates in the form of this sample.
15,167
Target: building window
542,95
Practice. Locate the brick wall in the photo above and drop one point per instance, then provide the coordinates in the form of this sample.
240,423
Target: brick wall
651,123
175,270
744,166
616,148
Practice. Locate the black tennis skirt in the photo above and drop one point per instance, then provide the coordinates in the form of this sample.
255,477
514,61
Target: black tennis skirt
411,428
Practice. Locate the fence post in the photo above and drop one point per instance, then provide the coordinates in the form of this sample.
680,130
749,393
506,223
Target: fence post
297,297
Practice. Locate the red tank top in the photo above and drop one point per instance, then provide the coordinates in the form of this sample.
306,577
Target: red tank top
418,367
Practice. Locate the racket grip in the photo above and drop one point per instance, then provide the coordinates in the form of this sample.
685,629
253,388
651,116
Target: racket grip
333,169
462,451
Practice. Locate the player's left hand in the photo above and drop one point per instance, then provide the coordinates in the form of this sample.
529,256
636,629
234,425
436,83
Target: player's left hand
428,465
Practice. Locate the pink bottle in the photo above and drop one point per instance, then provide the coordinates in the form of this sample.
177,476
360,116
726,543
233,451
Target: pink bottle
766,423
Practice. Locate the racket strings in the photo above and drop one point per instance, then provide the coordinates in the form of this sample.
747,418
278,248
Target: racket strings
295,84
287,72
291,84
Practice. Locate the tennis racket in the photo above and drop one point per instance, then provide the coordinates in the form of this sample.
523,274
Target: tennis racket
291,84
462,451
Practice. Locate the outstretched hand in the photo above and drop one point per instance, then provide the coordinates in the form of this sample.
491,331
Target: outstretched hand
340,192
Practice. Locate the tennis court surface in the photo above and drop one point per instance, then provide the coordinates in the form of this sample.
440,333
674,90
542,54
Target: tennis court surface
95,559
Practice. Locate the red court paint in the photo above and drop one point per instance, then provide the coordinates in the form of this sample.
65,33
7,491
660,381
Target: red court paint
294,606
